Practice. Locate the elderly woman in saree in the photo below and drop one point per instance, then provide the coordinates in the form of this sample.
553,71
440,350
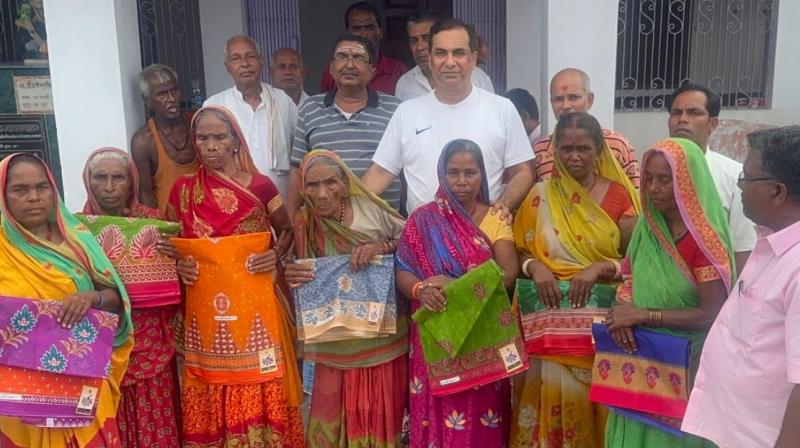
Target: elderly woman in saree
442,241
571,232
360,385
45,253
682,267
241,385
149,413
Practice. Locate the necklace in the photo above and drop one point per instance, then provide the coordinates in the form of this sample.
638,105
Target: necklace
341,210
173,145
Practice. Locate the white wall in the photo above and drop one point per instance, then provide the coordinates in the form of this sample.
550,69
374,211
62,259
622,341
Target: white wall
526,50
545,36
645,128
94,58
219,21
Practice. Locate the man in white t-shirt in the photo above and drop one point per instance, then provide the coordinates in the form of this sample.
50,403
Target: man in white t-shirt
694,114
421,127
266,115
419,80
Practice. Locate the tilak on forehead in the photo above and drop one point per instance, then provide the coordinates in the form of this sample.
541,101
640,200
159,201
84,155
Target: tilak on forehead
352,47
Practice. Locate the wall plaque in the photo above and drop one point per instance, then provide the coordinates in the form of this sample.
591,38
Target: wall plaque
34,94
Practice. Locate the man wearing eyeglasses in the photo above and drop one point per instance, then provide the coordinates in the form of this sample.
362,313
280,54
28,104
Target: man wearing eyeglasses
266,115
349,120
747,390
694,114
364,19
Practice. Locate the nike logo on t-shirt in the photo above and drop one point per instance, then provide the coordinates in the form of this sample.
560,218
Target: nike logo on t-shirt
420,131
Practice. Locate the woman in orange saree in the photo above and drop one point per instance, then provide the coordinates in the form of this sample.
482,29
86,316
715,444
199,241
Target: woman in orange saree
45,253
229,197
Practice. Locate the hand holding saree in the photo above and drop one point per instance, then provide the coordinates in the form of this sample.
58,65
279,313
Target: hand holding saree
220,407
360,385
34,268
662,278
562,227
440,238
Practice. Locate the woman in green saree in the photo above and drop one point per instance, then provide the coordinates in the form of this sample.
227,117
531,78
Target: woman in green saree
682,266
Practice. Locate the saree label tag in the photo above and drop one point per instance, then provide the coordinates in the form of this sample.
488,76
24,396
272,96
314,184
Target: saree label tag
445,382
86,400
510,357
267,362
375,313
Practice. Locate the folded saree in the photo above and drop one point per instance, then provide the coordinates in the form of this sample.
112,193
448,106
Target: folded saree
232,327
564,330
51,376
651,385
130,243
340,304
476,340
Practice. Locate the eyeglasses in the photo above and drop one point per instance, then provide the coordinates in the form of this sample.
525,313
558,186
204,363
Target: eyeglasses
358,58
744,179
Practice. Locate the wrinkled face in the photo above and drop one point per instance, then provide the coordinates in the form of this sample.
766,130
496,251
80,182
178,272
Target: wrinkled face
568,94
325,188
29,195
463,176
577,152
243,63
758,189
110,181
287,71
418,42
215,141
452,61
689,118
364,24
165,97
657,182
351,66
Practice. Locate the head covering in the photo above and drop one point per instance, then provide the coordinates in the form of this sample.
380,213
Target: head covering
316,236
209,203
560,225
134,209
440,237
79,257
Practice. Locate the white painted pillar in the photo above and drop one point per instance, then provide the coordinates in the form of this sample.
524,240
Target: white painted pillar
545,36
219,21
94,59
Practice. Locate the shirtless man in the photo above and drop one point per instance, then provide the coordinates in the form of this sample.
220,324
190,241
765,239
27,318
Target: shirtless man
162,148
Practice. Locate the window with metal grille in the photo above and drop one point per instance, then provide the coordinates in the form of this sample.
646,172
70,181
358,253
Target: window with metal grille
727,45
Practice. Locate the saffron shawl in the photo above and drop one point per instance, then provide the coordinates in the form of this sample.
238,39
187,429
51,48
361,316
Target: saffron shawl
316,236
135,209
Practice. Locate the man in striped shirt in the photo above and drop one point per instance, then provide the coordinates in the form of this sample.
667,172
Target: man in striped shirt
349,121
570,91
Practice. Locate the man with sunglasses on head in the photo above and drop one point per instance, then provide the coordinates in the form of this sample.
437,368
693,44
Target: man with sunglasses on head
694,114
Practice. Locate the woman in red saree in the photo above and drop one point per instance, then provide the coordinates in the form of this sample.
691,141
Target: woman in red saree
149,411
228,196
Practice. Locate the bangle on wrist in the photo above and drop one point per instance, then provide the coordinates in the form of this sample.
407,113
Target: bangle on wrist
102,298
617,269
654,318
416,290
525,267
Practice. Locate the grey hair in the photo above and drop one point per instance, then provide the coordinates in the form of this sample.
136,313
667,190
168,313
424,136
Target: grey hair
585,80
203,112
158,71
107,155
328,162
240,37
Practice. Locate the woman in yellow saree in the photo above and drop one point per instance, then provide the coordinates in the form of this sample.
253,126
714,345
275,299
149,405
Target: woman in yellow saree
45,253
571,228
